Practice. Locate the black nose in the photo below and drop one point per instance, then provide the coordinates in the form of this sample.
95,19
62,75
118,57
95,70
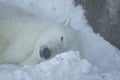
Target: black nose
45,52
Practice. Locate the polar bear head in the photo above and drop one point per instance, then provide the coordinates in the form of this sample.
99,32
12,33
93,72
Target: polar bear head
56,39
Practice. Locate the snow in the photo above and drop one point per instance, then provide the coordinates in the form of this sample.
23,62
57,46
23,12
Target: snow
98,60
65,66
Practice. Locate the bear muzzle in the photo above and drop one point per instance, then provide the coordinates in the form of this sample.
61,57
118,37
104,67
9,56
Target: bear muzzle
45,53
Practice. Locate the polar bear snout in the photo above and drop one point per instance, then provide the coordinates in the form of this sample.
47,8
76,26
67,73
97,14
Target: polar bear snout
45,53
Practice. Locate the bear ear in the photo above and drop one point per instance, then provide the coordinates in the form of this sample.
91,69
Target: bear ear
65,21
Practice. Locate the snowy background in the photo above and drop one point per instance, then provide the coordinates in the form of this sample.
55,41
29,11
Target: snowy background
99,60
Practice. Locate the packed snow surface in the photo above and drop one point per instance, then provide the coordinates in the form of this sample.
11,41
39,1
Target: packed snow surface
98,60
65,66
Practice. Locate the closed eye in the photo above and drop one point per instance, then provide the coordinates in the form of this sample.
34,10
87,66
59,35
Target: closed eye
61,39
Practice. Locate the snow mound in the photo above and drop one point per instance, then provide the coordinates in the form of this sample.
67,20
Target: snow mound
65,66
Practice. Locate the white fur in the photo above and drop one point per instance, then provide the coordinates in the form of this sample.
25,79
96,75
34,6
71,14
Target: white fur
22,35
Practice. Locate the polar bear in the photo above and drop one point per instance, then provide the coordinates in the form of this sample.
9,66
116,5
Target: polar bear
25,39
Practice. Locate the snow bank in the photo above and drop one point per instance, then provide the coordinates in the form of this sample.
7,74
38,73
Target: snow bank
65,66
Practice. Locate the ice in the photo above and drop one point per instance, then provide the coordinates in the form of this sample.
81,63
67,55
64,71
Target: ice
99,59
